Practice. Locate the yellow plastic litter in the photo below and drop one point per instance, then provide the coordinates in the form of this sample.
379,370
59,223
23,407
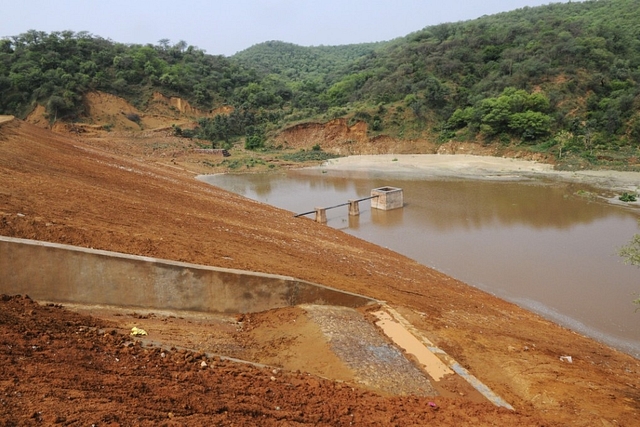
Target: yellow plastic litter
137,331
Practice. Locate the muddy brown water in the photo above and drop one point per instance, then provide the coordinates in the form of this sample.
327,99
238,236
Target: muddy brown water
550,246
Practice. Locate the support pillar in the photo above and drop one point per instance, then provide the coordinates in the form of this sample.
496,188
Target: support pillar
354,208
321,215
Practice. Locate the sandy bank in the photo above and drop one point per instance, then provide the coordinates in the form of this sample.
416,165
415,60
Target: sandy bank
476,167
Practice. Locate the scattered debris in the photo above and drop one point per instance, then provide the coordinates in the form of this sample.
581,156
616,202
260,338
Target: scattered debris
567,359
135,331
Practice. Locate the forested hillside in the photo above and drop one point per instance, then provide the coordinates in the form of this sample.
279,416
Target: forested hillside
56,69
562,78
293,62
565,75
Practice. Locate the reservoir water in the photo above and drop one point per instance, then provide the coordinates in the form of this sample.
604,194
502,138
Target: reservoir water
542,245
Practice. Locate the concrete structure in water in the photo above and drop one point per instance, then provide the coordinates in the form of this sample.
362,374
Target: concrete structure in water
354,207
383,198
321,215
387,198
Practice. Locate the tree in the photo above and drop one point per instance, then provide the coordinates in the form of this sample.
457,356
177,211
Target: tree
58,107
254,138
563,138
530,125
631,251
631,255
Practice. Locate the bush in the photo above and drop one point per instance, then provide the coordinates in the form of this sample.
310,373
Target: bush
628,197
254,142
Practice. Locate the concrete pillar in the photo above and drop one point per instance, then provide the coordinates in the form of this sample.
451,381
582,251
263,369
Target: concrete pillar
354,208
321,215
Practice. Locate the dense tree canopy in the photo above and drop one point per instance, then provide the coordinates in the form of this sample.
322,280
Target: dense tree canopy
56,69
563,76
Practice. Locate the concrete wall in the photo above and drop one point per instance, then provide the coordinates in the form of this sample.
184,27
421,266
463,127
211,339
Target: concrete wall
62,273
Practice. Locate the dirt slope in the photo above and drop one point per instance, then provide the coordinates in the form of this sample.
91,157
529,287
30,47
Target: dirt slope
59,189
107,112
97,377
336,136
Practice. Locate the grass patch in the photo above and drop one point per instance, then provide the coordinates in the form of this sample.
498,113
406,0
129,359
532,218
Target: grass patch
247,162
308,156
585,194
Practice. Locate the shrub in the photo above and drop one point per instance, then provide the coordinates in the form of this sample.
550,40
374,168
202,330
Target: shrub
306,156
254,142
628,197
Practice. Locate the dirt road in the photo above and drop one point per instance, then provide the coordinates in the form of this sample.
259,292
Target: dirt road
53,362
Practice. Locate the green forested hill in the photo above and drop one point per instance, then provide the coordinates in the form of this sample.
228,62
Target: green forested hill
562,78
56,69
293,62
303,74
527,74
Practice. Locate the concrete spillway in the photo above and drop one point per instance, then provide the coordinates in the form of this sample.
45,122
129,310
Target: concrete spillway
70,274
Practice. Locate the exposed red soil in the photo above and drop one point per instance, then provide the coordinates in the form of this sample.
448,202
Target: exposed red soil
60,189
59,367
336,136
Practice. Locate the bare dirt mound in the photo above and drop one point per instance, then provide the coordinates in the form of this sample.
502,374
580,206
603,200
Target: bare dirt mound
62,190
38,117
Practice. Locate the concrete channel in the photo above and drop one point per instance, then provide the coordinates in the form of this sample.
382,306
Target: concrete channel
69,274
63,273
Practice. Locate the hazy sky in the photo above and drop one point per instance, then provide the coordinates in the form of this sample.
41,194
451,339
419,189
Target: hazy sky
233,25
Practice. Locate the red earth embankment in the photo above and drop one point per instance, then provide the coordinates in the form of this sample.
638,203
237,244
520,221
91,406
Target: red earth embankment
58,189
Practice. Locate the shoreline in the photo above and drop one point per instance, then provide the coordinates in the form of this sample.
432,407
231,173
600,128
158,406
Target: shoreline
418,166
487,168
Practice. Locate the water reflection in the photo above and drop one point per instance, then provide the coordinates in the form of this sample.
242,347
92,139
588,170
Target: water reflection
469,204
534,243
477,204
391,218
354,222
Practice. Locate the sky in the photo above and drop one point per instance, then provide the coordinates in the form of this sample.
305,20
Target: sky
224,28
